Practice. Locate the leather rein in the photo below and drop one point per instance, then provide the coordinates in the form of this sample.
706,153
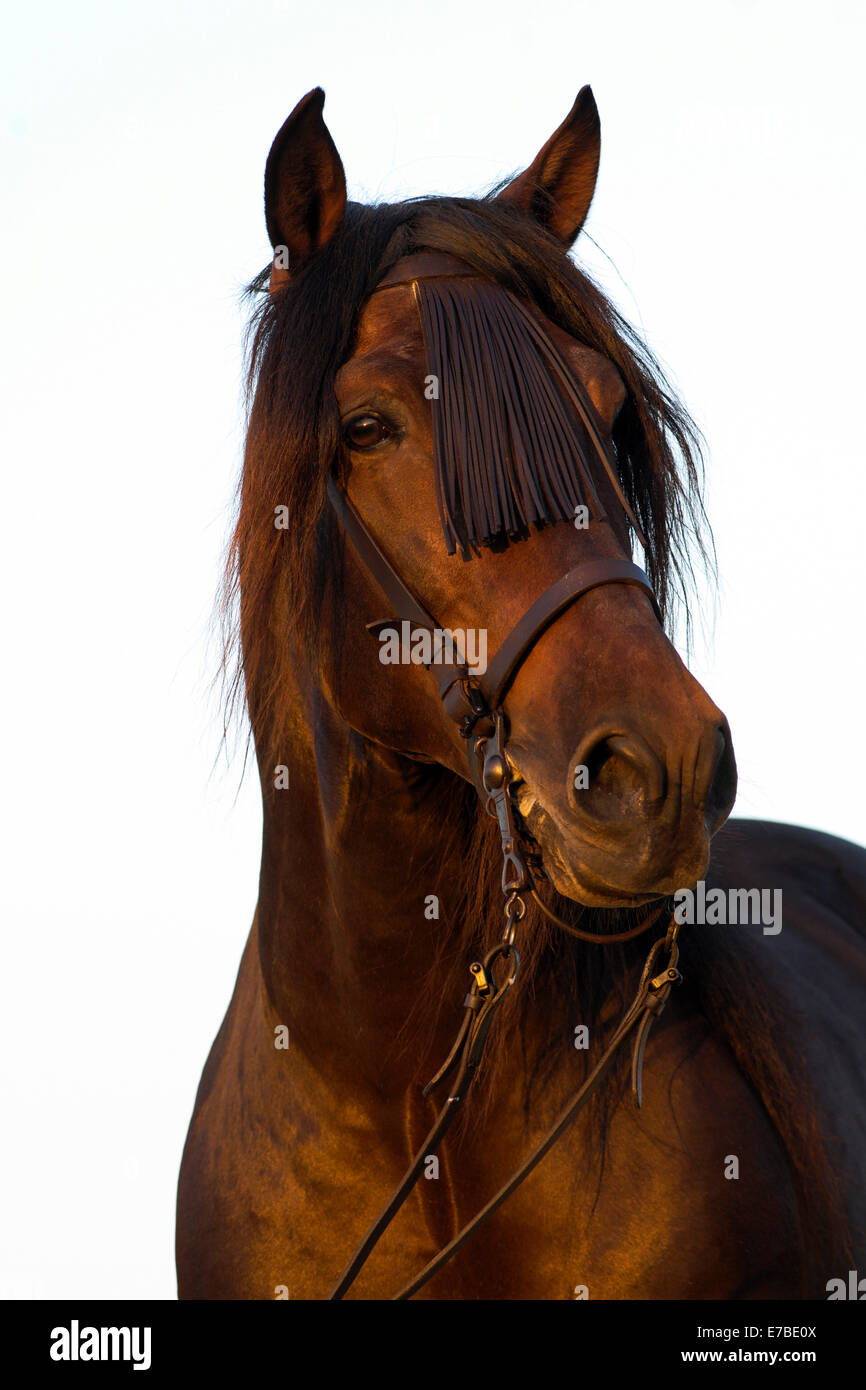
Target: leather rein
475,703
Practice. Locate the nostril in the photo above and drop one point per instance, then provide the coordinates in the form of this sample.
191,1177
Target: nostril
613,773
722,788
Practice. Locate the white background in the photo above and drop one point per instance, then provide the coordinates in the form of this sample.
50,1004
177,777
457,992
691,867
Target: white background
730,204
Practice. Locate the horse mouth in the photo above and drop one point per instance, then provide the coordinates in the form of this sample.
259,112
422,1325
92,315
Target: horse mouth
605,874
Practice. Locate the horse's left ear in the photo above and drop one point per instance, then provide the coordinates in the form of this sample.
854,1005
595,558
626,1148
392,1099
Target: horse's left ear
305,188
557,187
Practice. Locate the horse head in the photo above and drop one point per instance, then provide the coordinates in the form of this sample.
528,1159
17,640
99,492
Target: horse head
461,453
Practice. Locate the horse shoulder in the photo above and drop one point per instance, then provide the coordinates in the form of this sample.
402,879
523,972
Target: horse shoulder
701,1178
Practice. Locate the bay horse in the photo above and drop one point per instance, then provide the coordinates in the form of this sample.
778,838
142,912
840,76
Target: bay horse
452,431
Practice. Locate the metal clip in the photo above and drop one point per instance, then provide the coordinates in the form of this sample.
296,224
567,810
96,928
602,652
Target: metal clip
515,911
495,777
482,983
657,991
477,704
671,976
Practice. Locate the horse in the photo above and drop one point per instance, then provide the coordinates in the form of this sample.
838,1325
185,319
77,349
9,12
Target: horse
452,431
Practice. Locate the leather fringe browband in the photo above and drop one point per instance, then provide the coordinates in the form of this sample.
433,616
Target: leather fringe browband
513,428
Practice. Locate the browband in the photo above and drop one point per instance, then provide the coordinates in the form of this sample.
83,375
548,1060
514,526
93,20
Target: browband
426,265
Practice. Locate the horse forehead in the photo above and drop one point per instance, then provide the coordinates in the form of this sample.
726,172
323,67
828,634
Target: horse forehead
389,320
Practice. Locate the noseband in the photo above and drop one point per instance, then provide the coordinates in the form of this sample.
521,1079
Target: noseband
475,703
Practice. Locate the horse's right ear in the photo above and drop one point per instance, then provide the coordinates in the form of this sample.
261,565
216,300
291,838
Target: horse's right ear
305,188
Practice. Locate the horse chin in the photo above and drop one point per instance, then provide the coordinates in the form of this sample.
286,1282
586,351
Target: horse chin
602,876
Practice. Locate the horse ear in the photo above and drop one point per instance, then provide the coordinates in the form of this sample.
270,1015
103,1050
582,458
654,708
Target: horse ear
557,187
305,188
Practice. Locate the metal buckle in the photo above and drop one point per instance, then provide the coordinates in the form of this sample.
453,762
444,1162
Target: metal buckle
479,706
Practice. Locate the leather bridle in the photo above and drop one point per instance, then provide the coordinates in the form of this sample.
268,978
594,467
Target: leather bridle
475,703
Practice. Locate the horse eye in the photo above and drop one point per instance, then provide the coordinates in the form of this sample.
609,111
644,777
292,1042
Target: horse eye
365,432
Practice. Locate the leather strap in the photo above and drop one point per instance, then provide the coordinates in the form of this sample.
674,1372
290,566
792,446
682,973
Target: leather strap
423,264
402,600
647,1005
504,666
465,1056
450,675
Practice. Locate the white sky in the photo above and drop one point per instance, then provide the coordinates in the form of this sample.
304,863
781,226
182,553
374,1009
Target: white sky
134,137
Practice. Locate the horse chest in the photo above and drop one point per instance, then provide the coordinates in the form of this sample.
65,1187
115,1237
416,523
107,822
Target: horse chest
284,1198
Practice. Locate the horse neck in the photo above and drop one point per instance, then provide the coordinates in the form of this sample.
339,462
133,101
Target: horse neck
356,853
